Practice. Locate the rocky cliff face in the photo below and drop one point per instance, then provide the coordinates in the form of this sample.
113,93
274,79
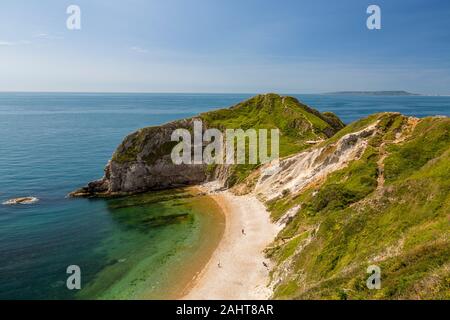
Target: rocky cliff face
142,162
298,171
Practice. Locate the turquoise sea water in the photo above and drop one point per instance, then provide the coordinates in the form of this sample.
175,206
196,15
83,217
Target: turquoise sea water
51,144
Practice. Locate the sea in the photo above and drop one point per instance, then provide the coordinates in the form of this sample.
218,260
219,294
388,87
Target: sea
146,246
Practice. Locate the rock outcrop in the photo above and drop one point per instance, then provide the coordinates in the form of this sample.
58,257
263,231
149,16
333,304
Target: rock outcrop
142,162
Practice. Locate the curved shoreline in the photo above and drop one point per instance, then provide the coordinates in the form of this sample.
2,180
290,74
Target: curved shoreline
236,268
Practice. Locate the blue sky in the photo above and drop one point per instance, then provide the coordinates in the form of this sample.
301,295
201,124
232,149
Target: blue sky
249,46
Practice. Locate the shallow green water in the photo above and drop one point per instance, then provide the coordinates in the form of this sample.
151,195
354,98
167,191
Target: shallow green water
160,244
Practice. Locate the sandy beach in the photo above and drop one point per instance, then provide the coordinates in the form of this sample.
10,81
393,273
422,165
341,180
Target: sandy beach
235,269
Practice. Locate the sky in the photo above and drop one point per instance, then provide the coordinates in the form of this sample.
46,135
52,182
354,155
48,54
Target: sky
235,46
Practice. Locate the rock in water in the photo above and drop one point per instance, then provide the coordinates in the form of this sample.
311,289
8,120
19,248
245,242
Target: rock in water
24,200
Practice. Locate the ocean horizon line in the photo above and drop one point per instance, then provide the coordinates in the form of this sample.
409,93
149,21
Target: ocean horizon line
206,93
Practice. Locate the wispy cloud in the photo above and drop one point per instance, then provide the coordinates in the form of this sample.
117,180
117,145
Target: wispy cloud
14,43
139,49
37,37
41,35
47,36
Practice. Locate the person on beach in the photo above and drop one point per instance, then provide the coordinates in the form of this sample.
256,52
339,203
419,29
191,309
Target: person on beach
243,232
219,265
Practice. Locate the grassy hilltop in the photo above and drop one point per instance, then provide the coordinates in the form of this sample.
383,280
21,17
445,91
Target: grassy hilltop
298,124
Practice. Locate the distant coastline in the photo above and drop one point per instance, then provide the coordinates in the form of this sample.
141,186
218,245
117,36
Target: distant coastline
374,93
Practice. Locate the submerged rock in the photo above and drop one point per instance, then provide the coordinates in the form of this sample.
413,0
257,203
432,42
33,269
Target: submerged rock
24,200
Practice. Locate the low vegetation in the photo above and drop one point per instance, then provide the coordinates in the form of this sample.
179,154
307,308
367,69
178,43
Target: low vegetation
348,221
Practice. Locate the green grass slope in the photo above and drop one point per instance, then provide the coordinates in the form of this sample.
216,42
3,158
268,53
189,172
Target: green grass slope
298,124
390,208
